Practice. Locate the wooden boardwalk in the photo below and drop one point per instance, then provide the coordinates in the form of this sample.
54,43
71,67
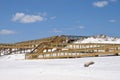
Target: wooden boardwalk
59,47
76,51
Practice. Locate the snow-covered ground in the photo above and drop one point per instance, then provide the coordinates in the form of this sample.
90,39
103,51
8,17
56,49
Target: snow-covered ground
14,67
100,39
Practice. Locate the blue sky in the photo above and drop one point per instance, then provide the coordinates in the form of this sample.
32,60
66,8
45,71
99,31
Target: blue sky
22,20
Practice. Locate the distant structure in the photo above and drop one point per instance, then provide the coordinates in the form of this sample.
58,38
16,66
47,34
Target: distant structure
59,47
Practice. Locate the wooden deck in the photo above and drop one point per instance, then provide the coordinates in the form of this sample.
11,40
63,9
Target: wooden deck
77,51
59,47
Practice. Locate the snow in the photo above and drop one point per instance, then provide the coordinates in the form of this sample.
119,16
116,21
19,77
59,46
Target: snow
99,39
14,67
13,57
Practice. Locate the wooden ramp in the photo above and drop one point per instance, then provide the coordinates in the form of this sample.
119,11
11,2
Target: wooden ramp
59,47
31,47
77,51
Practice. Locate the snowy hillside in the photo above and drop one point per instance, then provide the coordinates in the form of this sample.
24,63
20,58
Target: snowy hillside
100,39
105,68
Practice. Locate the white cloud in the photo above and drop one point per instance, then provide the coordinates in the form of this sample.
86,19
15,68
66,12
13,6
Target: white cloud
112,21
43,14
26,18
6,32
57,31
81,27
100,3
53,17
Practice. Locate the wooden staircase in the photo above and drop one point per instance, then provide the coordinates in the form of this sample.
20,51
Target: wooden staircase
48,45
59,47
80,50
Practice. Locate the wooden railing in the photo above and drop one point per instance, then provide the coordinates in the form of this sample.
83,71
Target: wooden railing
59,47
77,50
